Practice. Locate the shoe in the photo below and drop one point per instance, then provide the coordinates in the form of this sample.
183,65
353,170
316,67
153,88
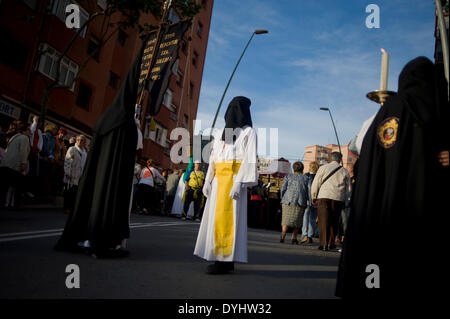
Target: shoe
183,218
310,240
332,247
197,219
281,239
30,195
294,241
304,240
323,248
220,267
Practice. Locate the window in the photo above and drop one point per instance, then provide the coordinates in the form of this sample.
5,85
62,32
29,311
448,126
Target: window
175,66
191,89
122,37
15,54
184,46
199,29
159,135
47,65
195,58
173,16
102,4
168,98
94,48
185,121
113,80
59,9
84,95
179,78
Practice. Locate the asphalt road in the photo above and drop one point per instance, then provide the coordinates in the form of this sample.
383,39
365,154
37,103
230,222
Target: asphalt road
161,264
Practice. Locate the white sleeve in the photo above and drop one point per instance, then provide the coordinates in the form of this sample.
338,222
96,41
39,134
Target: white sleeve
212,164
32,130
362,132
140,144
248,171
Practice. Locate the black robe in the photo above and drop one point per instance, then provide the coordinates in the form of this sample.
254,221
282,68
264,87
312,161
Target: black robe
101,212
399,201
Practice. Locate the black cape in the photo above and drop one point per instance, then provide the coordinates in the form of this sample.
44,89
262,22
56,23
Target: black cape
101,211
398,202
237,114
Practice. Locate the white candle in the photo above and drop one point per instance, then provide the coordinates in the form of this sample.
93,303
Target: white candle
384,70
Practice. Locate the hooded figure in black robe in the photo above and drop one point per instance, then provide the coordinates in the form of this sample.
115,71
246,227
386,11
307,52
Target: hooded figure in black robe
399,200
101,213
237,116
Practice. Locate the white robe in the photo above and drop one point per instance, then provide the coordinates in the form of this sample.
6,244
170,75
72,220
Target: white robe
244,149
362,133
177,207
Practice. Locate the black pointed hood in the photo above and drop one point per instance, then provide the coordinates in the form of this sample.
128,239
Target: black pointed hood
238,114
416,85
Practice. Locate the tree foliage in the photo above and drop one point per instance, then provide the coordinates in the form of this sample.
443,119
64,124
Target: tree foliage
132,10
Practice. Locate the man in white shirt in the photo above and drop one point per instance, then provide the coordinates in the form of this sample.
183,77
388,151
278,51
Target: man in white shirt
14,164
146,188
328,191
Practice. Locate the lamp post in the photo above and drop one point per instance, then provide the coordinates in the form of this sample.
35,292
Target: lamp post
327,109
443,38
258,31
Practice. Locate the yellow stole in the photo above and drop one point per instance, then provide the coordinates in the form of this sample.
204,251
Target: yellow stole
224,221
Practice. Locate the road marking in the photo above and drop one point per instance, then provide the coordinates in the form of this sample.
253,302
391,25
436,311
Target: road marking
57,232
32,232
44,231
29,237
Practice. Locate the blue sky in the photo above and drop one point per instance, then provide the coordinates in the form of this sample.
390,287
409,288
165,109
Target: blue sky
316,54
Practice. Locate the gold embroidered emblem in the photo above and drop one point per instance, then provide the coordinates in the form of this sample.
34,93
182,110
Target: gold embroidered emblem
387,132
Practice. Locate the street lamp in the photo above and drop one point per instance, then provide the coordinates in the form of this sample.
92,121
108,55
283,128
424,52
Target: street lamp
327,109
258,31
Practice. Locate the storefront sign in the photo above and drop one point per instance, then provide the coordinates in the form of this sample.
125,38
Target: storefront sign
9,110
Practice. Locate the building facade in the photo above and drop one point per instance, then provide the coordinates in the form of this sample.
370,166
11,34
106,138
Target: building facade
35,35
322,155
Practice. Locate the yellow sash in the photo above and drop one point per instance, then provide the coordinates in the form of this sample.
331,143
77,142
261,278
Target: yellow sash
224,222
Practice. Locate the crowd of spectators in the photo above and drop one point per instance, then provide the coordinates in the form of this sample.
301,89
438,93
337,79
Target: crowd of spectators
33,162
